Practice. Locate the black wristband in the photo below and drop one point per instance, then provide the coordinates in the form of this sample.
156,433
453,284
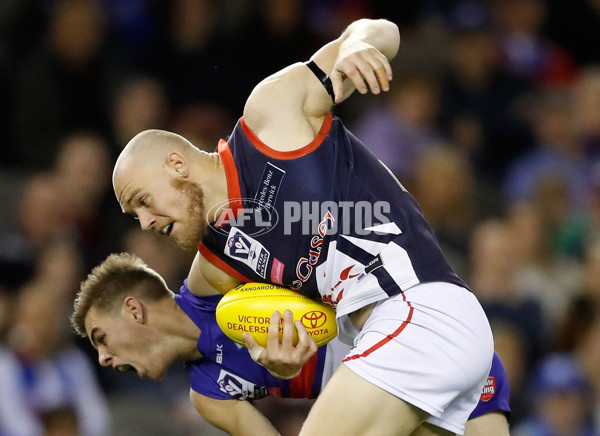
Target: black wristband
323,78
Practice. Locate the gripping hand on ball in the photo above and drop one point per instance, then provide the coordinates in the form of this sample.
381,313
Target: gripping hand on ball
282,358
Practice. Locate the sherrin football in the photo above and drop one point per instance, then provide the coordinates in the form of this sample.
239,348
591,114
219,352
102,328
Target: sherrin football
248,308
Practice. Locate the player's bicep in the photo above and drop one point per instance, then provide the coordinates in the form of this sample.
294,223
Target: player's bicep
236,417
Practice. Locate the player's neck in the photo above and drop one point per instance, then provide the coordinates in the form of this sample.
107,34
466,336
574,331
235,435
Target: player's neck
180,332
211,176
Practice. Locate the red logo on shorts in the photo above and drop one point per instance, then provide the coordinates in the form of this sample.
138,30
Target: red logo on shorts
489,389
314,319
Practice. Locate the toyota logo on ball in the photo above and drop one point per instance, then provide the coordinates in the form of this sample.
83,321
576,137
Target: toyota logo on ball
314,319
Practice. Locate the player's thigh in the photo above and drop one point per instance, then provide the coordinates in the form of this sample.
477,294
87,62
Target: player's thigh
350,405
490,424
427,429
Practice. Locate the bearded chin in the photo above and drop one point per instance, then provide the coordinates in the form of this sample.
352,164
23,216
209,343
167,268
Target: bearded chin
196,218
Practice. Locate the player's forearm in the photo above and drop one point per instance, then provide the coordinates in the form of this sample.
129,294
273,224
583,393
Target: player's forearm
381,34
236,417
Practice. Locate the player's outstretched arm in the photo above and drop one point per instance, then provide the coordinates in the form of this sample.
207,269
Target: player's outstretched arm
236,417
282,358
285,111
360,58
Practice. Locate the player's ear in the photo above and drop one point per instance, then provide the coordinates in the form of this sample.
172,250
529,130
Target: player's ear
134,309
178,163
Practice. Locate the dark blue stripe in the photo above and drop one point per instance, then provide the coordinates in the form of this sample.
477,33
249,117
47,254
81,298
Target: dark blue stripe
385,280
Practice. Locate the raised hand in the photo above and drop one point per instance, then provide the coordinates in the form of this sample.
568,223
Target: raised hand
364,65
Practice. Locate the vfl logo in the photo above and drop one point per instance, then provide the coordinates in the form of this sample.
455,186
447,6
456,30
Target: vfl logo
245,249
314,319
239,246
239,388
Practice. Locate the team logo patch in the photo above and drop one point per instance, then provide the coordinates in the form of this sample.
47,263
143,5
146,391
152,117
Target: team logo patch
239,388
247,250
489,389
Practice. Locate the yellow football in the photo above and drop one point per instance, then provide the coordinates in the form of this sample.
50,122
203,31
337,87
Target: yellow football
248,308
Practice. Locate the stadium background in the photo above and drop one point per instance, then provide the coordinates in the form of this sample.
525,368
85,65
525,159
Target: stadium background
493,123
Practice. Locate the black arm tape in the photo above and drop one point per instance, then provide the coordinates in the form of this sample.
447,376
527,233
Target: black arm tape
323,78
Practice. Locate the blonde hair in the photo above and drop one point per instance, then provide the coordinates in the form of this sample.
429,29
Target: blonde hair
118,276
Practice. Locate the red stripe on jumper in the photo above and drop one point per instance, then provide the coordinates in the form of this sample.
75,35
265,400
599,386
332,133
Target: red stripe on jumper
301,385
387,338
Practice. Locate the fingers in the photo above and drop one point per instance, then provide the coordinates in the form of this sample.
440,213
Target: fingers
337,83
273,334
305,342
281,357
382,78
368,70
254,348
287,339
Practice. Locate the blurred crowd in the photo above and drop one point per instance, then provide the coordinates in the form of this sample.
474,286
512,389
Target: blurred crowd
492,123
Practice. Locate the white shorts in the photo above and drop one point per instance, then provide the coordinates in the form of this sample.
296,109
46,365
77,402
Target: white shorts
432,347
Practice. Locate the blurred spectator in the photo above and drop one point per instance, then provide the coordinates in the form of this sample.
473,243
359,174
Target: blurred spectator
60,265
196,60
588,352
524,49
83,175
278,26
6,310
512,349
140,103
83,162
559,391
494,263
328,18
160,254
558,154
583,225
400,131
443,186
203,124
48,386
63,86
133,25
584,307
542,276
587,110
475,88
40,218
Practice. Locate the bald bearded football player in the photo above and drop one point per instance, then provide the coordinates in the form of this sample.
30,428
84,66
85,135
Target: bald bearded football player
293,198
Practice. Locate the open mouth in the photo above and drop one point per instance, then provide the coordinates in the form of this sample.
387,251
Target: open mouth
126,368
166,230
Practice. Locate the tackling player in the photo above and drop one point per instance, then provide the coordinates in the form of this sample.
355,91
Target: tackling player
137,324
